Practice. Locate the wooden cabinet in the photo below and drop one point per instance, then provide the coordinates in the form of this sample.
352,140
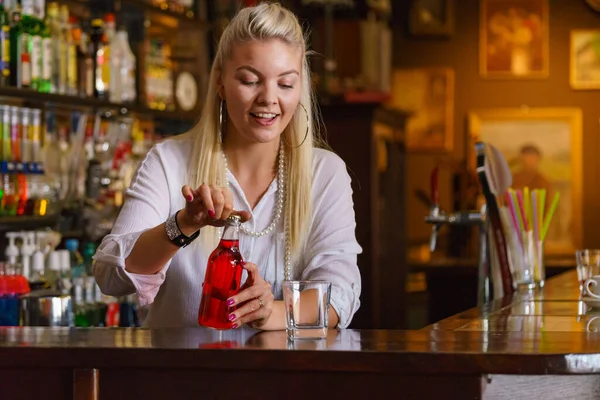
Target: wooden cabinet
378,195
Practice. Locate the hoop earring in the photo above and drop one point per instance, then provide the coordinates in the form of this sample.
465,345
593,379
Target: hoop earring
222,120
305,135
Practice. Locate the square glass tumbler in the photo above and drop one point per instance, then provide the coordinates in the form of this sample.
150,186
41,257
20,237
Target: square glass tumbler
306,308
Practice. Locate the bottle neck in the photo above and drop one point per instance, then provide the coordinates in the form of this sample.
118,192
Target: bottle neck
231,235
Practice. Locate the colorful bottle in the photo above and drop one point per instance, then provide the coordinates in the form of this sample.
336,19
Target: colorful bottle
222,278
79,308
71,50
46,80
4,46
76,261
20,68
101,86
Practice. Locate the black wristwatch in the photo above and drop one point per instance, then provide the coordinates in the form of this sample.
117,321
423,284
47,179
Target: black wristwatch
174,233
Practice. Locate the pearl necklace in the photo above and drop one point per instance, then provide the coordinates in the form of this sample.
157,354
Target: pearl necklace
278,210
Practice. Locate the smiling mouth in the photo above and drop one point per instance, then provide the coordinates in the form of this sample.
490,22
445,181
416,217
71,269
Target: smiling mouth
265,116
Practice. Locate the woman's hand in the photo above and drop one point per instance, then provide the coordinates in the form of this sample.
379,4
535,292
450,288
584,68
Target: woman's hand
207,205
254,301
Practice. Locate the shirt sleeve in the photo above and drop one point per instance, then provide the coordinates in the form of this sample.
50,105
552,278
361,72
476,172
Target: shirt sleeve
146,206
331,249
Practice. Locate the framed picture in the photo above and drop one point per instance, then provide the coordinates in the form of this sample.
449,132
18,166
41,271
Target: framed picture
543,149
431,17
513,39
427,94
585,59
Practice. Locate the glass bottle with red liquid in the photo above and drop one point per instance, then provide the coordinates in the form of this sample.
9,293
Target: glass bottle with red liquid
222,278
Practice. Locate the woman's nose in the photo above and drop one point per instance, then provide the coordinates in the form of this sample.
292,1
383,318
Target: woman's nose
267,95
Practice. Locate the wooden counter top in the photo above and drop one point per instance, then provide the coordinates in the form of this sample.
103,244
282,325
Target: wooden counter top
472,354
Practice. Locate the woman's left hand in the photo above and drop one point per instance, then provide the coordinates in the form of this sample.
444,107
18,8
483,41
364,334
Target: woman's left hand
254,301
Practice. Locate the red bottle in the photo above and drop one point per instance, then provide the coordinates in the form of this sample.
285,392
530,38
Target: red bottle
222,278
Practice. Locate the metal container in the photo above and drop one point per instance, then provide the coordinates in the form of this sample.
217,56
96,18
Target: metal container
46,308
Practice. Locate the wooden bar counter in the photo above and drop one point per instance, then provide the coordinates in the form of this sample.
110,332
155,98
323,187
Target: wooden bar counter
542,345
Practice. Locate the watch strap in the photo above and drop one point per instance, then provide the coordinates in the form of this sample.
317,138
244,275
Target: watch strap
174,233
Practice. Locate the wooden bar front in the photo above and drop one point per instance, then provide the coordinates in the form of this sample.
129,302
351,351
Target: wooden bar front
538,346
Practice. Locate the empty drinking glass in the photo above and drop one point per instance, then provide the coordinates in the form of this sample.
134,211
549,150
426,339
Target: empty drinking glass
588,265
306,308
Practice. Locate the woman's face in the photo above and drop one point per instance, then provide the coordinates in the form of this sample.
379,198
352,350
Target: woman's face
261,86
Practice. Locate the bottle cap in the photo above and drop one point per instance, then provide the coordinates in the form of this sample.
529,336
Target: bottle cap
234,219
72,244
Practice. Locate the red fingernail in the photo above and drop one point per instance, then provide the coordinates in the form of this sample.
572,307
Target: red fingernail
234,326
231,317
189,197
230,302
211,213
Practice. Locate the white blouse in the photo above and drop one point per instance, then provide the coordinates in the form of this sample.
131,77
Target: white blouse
174,292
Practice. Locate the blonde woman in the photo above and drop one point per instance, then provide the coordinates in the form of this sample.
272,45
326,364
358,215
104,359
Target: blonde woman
253,153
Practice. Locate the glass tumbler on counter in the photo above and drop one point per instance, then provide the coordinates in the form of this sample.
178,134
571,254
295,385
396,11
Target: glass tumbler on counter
588,265
306,308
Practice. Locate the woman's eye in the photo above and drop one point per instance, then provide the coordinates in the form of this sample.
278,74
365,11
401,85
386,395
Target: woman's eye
286,86
249,83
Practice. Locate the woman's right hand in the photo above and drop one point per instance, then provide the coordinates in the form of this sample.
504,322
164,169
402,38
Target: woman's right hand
206,205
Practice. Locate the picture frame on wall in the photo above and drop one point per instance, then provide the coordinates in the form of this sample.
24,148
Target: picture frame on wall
584,59
427,96
514,39
431,17
543,147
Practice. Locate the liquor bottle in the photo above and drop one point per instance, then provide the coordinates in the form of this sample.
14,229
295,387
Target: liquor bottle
53,23
79,308
101,86
85,64
47,46
222,278
71,49
35,49
4,46
20,67
6,136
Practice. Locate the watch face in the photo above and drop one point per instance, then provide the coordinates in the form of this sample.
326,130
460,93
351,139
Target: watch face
186,91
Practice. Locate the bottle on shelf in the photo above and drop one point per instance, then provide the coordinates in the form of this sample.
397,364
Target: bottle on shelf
20,73
71,50
111,60
75,258
79,306
32,26
58,69
47,52
101,85
124,76
85,63
4,45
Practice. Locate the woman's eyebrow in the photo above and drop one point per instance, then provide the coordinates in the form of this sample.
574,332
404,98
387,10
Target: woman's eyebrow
256,72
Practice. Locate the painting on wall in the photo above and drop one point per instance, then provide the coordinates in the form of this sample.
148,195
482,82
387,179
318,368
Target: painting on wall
543,149
514,39
431,17
585,59
427,94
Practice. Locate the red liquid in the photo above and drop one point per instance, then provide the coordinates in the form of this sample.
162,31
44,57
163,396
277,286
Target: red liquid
222,280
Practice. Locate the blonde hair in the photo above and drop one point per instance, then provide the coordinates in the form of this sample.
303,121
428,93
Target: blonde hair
263,22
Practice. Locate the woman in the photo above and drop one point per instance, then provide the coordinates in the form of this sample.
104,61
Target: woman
252,153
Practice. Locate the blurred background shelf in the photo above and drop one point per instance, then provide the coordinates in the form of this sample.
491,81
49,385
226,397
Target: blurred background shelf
17,223
32,98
